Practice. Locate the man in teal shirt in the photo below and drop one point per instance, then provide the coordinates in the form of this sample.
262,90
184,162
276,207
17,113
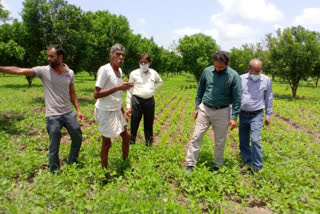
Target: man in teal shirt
219,87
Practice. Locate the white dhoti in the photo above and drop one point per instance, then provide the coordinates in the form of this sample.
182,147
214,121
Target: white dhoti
111,123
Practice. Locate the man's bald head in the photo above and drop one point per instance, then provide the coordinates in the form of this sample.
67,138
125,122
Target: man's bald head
255,66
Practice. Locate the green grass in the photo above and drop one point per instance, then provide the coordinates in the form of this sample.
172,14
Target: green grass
153,179
304,110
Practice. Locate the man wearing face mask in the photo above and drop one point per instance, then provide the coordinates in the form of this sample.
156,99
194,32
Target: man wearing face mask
256,95
141,98
219,87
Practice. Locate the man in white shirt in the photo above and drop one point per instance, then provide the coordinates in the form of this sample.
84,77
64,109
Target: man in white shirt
256,97
109,112
141,97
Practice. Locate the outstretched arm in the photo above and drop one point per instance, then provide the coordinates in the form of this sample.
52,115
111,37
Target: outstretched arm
17,71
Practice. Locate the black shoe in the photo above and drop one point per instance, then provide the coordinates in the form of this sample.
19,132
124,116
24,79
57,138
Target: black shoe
107,175
214,169
253,170
243,170
149,144
246,169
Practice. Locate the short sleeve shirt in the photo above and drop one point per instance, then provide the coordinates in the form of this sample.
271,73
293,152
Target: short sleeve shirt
108,79
56,89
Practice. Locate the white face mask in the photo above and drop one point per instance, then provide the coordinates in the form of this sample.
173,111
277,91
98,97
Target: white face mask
255,77
144,68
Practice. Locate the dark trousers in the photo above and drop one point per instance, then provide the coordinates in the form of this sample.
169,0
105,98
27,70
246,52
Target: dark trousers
54,126
141,107
250,129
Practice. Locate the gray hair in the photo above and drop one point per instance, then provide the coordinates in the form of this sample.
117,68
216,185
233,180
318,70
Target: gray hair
254,59
117,47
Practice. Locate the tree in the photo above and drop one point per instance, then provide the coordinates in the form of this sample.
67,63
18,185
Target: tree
315,72
66,31
100,31
293,51
138,45
52,22
11,53
4,14
241,57
36,30
263,53
11,38
172,63
197,51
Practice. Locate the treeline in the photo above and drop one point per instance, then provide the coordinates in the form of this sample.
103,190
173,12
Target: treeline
86,37
293,54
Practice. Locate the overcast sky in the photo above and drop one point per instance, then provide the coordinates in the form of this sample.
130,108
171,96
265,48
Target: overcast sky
230,22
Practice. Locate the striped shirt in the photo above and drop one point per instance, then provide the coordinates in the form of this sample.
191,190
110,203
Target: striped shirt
256,95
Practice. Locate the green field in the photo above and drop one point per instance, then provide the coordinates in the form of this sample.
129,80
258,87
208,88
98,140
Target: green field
153,180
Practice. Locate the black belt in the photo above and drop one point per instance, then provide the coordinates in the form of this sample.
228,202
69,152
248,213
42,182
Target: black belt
139,98
216,108
251,112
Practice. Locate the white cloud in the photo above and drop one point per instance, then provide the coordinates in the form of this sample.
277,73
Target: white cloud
277,26
186,31
141,21
257,10
310,19
138,26
214,33
233,35
227,36
239,21
4,5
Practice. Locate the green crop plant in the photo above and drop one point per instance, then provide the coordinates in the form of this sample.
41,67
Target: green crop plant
152,180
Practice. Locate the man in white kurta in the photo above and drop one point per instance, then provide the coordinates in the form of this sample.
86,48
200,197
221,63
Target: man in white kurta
109,112
108,109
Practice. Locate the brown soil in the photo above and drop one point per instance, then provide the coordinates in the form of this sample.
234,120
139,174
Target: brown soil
299,128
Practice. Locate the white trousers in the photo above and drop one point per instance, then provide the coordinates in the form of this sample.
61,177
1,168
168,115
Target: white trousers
219,119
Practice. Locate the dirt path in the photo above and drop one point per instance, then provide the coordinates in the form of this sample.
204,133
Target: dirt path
166,123
297,127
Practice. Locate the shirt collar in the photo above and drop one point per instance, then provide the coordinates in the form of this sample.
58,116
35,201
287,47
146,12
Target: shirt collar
143,71
66,66
221,72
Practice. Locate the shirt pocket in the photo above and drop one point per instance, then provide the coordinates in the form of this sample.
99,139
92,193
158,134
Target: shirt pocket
227,88
262,91
257,92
